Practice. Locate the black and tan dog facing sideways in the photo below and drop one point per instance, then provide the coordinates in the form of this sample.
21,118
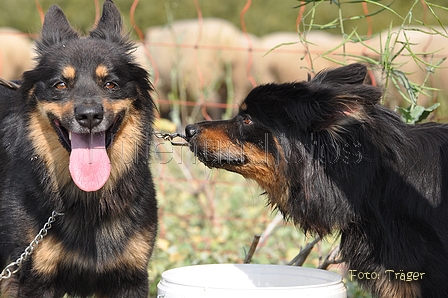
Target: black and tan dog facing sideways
74,139
331,158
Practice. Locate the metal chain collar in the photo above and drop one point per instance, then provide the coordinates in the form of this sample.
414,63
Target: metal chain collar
170,136
14,267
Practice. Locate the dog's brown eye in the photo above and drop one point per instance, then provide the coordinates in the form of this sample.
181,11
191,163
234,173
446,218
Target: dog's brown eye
247,120
60,86
110,85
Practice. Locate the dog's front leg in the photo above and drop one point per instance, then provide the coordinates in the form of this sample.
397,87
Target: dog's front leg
133,285
36,287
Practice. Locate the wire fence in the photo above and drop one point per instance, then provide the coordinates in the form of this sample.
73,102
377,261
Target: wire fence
202,68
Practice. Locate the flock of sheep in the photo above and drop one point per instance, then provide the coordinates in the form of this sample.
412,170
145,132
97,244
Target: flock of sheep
201,67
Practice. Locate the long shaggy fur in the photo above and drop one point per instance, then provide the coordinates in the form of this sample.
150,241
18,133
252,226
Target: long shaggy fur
102,244
331,158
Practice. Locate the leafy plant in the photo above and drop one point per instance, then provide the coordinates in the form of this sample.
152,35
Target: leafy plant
416,113
385,58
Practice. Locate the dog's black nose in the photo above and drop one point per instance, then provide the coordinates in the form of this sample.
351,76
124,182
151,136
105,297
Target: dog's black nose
190,130
89,115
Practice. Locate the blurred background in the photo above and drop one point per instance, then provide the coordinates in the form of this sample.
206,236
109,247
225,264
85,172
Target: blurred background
263,16
204,56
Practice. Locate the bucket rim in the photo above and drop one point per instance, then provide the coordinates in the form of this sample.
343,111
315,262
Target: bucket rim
335,279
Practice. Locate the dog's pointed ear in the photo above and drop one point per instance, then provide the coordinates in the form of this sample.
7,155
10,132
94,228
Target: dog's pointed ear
345,97
55,30
335,98
350,85
110,25
355,74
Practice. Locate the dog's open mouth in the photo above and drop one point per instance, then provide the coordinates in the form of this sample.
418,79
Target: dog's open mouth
89,161
65,136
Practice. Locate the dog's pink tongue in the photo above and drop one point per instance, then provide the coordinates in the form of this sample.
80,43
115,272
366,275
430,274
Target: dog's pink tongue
89,162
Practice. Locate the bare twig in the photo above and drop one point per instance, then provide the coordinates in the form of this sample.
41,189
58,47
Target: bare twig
331,258
252,249
303,254
270,228
9,84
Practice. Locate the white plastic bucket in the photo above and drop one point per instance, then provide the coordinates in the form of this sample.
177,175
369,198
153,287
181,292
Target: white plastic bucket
249,280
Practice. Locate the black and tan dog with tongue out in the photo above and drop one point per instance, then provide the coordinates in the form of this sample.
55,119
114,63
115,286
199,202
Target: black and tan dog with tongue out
74,139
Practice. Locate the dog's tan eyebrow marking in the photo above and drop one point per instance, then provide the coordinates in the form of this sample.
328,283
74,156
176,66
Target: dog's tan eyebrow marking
243,107
101,71
69,72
